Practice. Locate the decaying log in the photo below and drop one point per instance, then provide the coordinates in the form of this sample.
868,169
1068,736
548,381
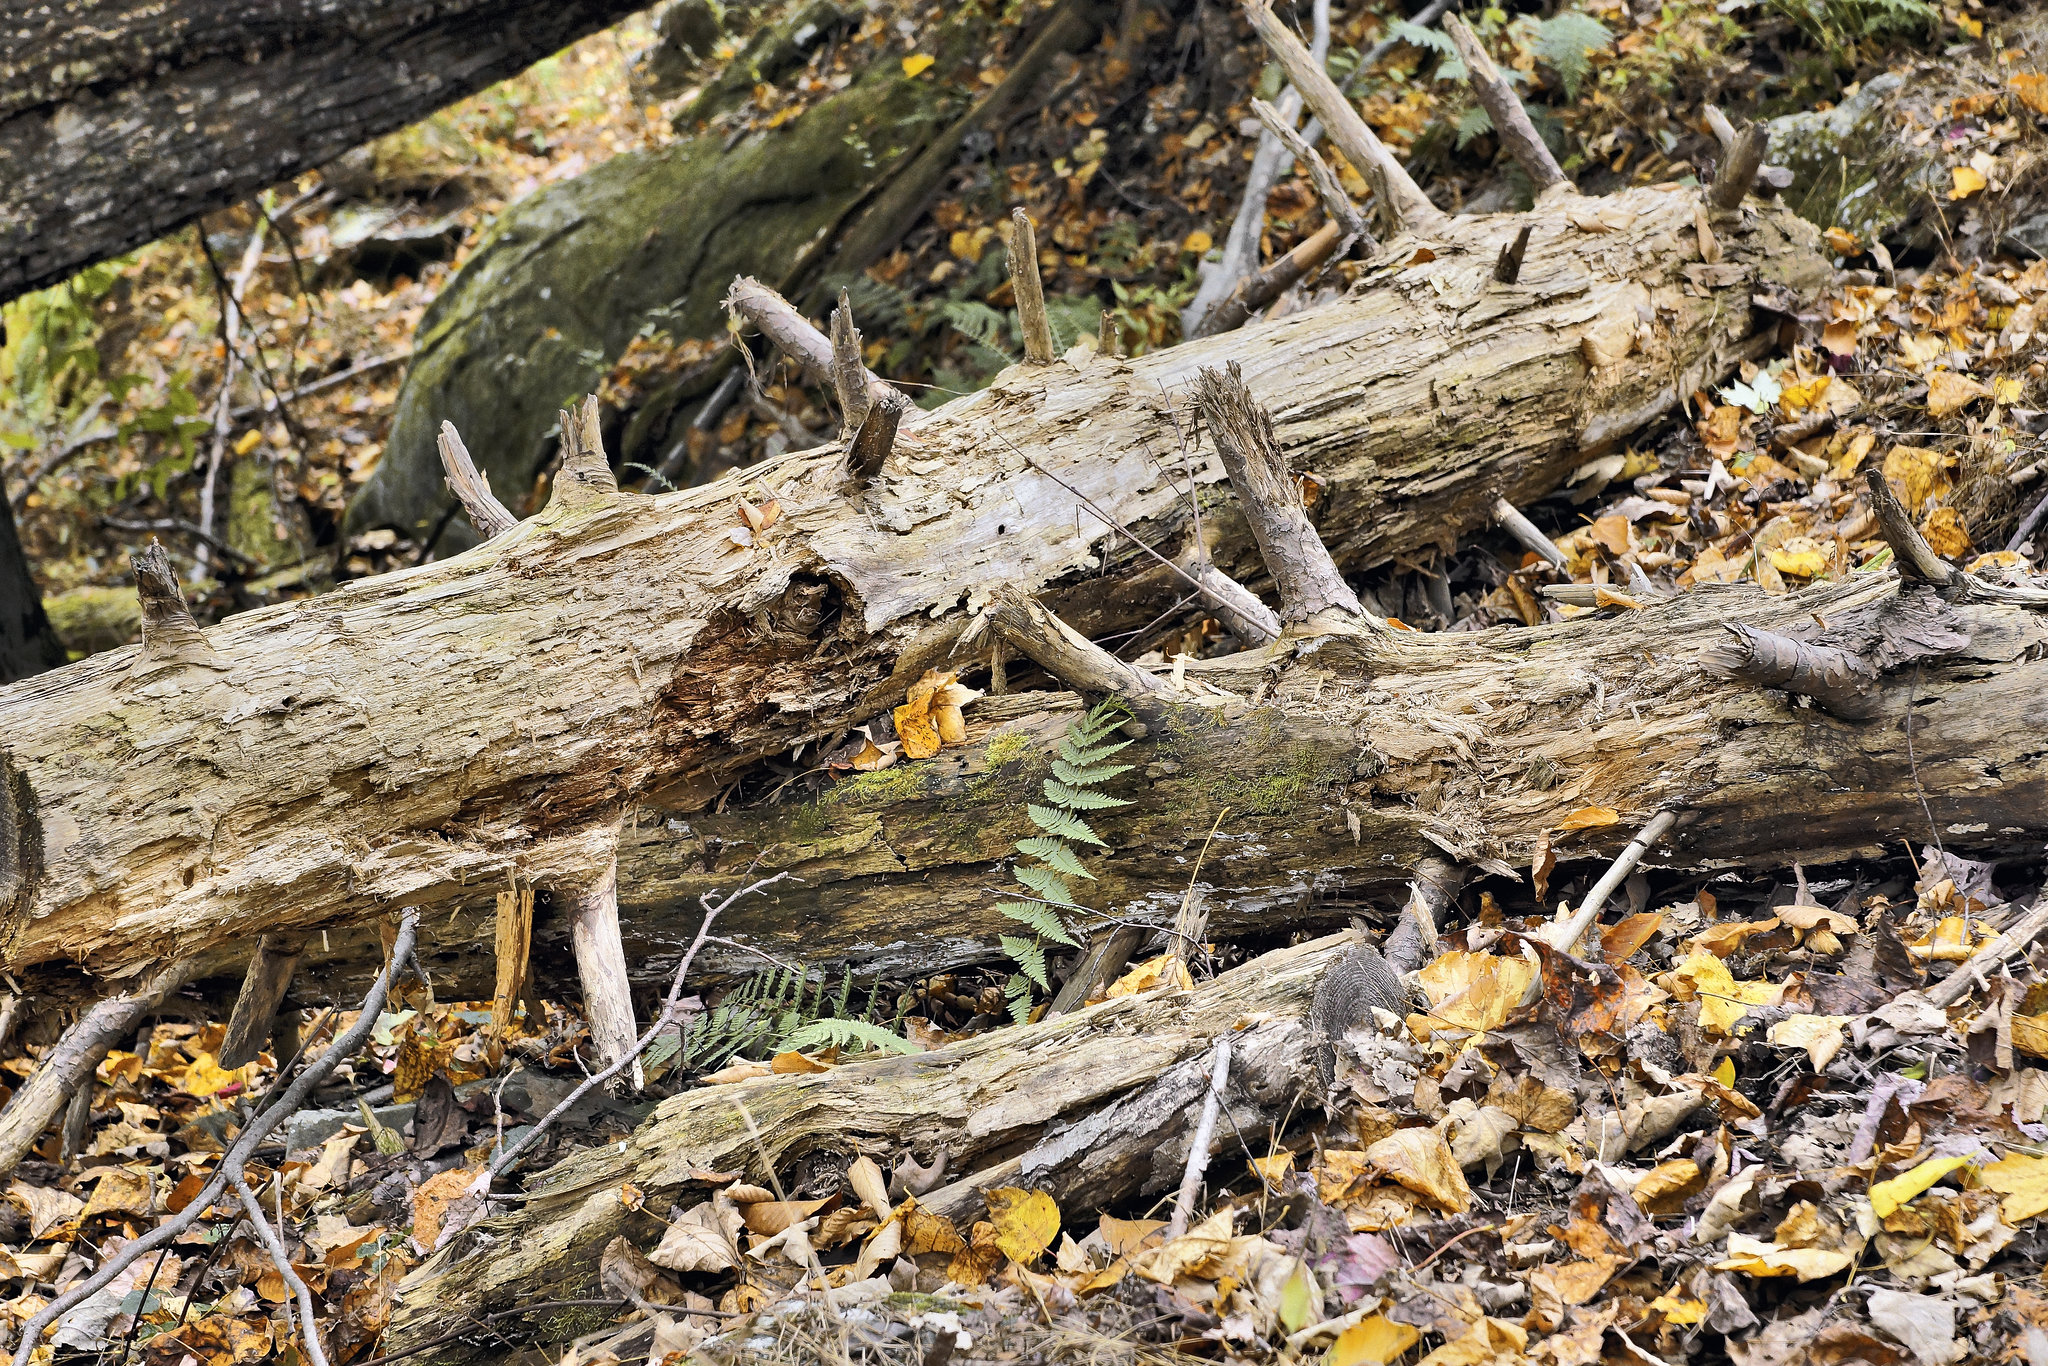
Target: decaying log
422,738
1091,1107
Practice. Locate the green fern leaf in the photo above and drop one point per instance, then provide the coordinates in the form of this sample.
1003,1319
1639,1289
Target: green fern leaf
825,1033
1565,39
1045,882
1074,799
1030,956
1018,992
1055,854
1081,756
1077,776
1040,918
1054,821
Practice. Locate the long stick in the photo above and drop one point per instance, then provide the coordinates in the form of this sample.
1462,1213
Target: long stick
237,1156
2025,931
275,1246
1198,1152
1565,935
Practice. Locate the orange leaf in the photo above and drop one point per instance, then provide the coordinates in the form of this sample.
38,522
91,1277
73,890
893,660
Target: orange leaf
1590,817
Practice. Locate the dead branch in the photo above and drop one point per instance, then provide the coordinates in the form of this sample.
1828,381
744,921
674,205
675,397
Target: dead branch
1024,283
1510,120
472,487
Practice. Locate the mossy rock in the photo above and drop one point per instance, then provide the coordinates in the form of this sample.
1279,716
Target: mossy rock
646,240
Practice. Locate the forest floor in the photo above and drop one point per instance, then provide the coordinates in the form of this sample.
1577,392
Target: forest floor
1800,1159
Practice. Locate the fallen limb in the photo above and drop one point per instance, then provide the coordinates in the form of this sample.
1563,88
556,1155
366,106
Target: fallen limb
1101,1102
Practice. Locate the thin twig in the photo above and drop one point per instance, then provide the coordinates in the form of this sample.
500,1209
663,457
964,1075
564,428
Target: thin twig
1198,1150
308,1331
1562,937
237,1156
661,1021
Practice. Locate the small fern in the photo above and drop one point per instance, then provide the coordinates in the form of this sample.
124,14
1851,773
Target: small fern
779,1004
982,325
831,1031
1078,769
1564,41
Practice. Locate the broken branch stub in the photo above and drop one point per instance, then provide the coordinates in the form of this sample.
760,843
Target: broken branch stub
1733,181
1059,649
1402,199
601,964
1302,570
1257,290
472,487
1510,120
1025,284
1838,680
1329,189
1507,267
169,634
585,474
849,372
263,989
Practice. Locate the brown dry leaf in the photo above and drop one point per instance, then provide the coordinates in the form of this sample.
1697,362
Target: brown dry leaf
979,1260
1542,863
1851,457
1754,1257
794,1063
1820,1035
1577,1282
1533,1103
1626,937
869,1184
1603,596
1839,338
704,1238
767,1218
1949,392
225,1340
1126,1236
924,1231
430,1202
1273,1170
744,1070
1721,432
1666,1187
184,1193
1491,1342
1612,533
417,1061
1026,1221
2030,1034
123,1192
1421,1161
47,1207
1842,242
1730,935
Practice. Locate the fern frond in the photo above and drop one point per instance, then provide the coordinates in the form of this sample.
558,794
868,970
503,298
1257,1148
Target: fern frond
1074,775
1074,799
1045,882
1564,40
1081,757
1030,956
1041,918
1055,854
829,1032
1054,821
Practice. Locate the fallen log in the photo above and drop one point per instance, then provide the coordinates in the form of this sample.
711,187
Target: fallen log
1092,1107
424,737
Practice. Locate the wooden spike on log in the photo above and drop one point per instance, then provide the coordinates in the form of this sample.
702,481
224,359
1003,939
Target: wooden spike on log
791,334
169,634
1059,649
1737,175
849,371
1510,120
513,950
69,1067
601,966
1236,606
1101,1102
263,989
585,474
1108,336
1255,291
1031,314
1525,531
472,487
1507,267
1099,965
877,435
1336,203
1399,195
1302,570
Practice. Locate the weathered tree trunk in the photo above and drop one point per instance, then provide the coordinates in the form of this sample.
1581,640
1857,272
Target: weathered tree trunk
122,120
420,738
1092,1107
28,643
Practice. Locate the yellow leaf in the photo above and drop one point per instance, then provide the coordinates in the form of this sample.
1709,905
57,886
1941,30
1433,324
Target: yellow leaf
1916,474
1725,1073
1682,1312
1851,458
1590,817
249,442
2008,391
1272,1170
1026,1221
1197,242
1723,1000
1475,990
1375,1340
1805,394
1842,242
2032,88
1800,557
1165,970
1887,1196
2023,1181
917,62
2030,1034
1490,1342
1946,532
205,1077
1755,1257
1420,1160
1949,392
1968,180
